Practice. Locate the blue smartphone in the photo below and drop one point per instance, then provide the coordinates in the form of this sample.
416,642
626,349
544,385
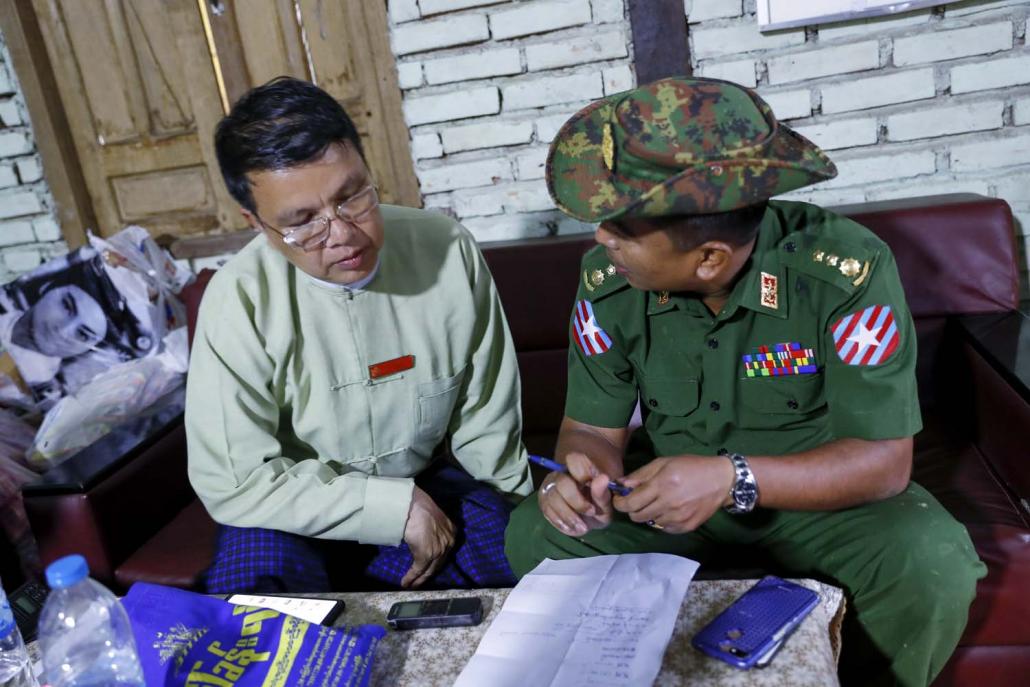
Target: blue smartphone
754,627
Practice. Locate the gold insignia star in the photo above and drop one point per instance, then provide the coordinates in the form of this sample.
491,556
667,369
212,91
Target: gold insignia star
610,270
818,255
850,267
597,277
832,260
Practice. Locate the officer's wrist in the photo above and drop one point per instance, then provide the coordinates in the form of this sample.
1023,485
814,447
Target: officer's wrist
729,479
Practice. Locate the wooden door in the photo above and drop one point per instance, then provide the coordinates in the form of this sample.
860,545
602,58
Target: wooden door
136,82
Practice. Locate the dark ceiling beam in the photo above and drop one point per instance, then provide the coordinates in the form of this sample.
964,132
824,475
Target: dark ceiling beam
660,45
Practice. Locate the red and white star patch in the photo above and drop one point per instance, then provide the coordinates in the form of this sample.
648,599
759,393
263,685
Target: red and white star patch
867,337
591,338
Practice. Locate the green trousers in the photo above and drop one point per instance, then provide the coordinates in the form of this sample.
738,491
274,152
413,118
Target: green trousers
907,567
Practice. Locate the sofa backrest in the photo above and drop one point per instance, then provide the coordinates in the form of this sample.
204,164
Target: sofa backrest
956,254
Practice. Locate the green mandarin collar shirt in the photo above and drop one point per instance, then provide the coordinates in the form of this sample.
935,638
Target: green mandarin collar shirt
288,428
815,343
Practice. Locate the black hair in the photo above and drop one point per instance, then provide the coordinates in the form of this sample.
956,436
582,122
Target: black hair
735,227
280,124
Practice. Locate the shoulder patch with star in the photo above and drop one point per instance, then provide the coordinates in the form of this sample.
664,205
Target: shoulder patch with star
866,337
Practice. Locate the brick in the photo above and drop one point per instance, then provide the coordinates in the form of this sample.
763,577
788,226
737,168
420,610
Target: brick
1008,71
439,33
812,64
478,65
552,91
961,9
477,202
528,197
608,11
1015,188
488,135
873,91
14,143
941,121
440,202
447,106
14,233
19,204
22,259
6,85
867,170
1021,112
931,187
847,133
739,38
29,170
426,146
439,6
409,75
538,17
530,165
991,153
508,227
7,176
465,175
789,104
617,79
9,114
547,127
936,46
568,225
46,229
876,26
606,45
403,10
738,71
704,10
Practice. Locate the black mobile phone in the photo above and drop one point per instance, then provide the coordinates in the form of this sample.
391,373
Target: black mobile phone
753,628
26,604
415,615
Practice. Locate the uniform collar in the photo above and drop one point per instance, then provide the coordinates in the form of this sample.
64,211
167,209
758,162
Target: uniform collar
762,287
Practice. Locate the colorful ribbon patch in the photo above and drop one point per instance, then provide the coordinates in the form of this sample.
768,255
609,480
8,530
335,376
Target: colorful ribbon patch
591,338
866,337
780,359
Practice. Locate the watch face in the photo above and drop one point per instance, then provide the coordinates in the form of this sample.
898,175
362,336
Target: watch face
744,495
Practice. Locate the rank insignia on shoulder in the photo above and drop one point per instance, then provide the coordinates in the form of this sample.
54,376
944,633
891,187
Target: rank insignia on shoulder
779,360
592,340
866,337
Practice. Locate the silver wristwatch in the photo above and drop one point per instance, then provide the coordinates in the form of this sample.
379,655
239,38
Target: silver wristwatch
745,489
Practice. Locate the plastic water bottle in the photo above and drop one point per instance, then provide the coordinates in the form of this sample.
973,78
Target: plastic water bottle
15,667
84,633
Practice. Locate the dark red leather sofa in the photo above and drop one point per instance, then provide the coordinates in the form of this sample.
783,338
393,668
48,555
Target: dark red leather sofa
137,518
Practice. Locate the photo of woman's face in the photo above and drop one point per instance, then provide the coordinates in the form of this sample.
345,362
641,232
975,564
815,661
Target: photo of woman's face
64,323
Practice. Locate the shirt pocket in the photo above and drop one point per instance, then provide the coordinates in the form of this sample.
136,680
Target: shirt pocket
669,396
787,395
434,405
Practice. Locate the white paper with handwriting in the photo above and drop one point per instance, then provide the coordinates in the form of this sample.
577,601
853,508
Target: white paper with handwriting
587,621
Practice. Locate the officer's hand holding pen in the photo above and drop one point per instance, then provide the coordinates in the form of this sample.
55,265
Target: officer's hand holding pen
578,501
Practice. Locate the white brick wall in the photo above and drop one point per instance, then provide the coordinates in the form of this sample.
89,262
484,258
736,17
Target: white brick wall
482,111
29,233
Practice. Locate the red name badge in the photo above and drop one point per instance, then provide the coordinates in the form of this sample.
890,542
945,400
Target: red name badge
391,367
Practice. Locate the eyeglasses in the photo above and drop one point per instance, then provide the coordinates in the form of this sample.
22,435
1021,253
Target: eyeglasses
313,234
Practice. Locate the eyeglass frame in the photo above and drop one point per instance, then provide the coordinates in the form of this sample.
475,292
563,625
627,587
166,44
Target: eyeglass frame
289,240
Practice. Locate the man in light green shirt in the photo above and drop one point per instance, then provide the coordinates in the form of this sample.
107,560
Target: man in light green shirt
333,356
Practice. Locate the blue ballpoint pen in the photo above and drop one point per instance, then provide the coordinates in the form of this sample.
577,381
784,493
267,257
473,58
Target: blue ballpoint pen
558,467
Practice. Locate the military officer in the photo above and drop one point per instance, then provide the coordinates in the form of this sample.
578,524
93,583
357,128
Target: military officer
771,351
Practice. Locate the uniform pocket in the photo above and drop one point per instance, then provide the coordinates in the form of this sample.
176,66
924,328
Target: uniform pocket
787,395
434,405
669,396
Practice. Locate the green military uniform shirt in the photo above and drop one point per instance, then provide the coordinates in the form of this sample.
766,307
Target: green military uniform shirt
815,343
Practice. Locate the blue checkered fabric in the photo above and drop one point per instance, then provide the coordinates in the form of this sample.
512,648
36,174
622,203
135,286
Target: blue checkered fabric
254,560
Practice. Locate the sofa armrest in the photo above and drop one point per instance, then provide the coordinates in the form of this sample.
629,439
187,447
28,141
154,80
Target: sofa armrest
107,500
997,356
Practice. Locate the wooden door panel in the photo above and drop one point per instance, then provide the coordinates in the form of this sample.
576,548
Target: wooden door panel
162,79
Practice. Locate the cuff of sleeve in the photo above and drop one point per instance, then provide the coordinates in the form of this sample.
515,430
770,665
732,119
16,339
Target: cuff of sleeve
385,512
599,416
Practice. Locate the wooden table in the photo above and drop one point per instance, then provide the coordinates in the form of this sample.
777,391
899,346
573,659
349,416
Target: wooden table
424,658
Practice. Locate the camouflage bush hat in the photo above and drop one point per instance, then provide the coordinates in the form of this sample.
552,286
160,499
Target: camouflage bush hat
678,146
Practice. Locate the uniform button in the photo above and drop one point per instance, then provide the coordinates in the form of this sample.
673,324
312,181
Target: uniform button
713,343
714,405
792,404
653,403
789,247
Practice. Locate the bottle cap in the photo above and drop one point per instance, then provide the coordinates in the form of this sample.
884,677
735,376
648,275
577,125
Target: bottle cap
64,572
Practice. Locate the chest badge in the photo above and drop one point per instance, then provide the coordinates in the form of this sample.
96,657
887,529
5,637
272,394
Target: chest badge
866,337
770,296
592,340
391,367
780,359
